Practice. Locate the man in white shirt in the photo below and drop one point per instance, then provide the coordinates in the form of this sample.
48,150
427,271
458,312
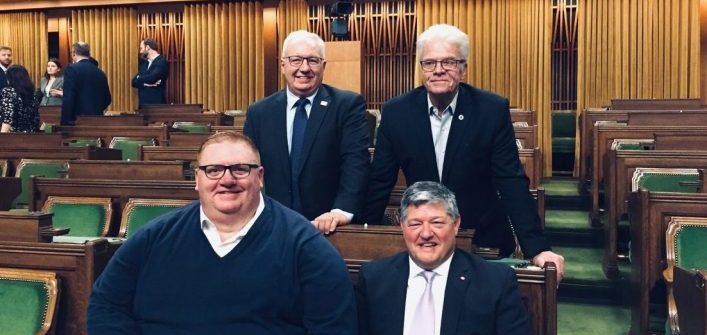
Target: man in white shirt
5,62
234,262
434,288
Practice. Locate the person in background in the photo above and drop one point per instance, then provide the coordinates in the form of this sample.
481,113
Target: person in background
86,90
152,74
18,105
313,138
50,86
5,62
461,136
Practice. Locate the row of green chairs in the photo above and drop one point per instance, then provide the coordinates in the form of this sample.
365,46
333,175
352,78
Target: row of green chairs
93,216
28,301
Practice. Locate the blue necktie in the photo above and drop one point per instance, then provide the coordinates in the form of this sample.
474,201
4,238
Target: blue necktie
298,128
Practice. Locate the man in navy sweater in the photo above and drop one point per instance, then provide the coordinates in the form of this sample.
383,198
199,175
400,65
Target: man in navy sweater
235,262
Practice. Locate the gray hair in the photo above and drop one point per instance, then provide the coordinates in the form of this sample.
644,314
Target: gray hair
428,192
81,49
445,33
303,36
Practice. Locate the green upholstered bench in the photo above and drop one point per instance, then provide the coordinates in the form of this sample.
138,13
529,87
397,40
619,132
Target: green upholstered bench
685,246
84,216
85,142
191,127
138,212
130,146
666,180
36,167
28,301
563,131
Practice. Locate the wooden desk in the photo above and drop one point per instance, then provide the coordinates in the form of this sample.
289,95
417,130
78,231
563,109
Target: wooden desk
649,214
113,120
129,170
77,265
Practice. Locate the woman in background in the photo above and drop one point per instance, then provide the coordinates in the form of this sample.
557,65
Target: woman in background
18,105
52,83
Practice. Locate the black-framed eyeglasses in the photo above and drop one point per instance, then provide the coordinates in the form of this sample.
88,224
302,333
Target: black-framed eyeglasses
447,64
297,61
238,171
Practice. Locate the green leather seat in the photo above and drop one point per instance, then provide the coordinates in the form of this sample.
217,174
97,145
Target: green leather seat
666,180
85,142
36,167
192,127
685,245
28,301
84,216
138,212
130,146
563,131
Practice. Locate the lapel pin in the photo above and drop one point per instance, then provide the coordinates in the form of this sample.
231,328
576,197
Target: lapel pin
461,117
462,278
324,103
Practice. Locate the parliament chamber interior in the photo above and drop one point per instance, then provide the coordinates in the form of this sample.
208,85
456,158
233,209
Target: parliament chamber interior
607,99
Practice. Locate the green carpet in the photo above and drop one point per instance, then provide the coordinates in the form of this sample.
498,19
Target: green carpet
561,187
566,219
582,264
585,319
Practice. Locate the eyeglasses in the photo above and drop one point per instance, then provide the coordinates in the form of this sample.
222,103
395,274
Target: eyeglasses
238,171
447,64
297,61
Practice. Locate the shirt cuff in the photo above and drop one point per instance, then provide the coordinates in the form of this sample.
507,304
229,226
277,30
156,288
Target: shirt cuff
348,215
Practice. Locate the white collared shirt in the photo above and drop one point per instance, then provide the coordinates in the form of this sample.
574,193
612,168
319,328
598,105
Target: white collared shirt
440,124
416,287
222,248
149,61
291,109
4,69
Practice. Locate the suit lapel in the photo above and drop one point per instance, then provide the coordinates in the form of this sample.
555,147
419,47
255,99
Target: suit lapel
420,128
461,123
455,293
322,102
279,128
398,292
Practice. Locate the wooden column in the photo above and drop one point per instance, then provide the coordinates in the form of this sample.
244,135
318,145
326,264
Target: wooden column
703,51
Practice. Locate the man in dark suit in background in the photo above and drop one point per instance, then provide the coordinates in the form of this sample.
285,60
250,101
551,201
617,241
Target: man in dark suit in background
5,62
461,136
86,89
434,288
313,138
152,74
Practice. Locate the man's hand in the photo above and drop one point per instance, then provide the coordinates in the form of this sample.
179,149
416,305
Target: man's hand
549,256
327,222
155,84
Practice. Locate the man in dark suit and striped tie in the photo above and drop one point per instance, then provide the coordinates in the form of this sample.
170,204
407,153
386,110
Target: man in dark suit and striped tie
313,138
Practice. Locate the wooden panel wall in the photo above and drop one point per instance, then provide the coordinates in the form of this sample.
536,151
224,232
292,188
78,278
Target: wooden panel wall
387,33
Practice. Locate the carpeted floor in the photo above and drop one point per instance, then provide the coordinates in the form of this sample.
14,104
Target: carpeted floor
566,219
586,319
561,187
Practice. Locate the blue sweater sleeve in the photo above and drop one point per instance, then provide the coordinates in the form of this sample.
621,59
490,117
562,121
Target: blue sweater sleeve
327,292
110,309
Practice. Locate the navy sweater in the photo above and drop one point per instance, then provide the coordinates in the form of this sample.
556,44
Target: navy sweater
283,278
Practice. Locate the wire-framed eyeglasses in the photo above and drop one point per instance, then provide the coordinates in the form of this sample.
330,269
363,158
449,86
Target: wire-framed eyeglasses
447,64
297,61
217,171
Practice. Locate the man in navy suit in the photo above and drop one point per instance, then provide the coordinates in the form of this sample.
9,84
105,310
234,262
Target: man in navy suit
461,136
434,288
313,138
86,89
5,62
152,74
